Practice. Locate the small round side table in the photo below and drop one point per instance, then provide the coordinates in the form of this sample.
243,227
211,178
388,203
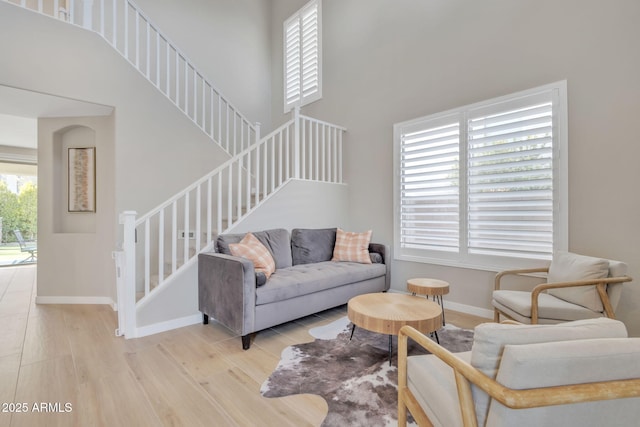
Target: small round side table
434,287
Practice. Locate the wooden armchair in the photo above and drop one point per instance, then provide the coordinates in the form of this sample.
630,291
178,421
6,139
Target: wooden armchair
577,287
582,373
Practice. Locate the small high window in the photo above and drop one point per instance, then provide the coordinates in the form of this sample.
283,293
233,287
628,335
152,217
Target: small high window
303,56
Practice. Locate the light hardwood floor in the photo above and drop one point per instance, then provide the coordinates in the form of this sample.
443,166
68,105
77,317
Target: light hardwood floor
68,358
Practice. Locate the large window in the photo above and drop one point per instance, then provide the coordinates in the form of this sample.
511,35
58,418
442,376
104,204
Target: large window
303,56
484,186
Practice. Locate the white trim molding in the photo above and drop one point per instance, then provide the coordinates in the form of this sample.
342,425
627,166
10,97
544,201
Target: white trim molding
455,306
168,325
76,300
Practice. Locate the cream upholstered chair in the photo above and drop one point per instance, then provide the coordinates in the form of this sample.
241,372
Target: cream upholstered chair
577,287
581,373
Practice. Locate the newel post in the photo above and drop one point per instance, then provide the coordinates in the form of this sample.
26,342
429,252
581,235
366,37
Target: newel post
296,142
127,298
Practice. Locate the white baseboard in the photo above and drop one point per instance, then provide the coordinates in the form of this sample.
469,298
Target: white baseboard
468,309
168,325
75,300
462,308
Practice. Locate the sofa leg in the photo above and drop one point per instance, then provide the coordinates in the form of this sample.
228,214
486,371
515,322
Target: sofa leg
205,319
246,342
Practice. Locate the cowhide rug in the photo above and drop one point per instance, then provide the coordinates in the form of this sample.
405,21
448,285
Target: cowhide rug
354,377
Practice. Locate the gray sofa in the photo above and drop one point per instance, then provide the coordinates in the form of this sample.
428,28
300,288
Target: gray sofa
305,281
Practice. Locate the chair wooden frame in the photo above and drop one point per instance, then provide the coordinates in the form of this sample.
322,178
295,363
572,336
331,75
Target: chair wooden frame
465,375
600,284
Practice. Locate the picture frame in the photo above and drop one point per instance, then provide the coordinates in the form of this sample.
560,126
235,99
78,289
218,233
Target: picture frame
82,179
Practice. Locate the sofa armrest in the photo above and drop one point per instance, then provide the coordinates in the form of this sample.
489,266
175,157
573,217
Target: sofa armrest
227,290
383,250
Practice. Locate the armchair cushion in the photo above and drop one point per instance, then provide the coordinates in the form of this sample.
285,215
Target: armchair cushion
490,339
570,267
517,305
440,399
564,363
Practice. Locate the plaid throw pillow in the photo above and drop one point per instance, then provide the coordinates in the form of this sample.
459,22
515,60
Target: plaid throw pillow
352,246
252,249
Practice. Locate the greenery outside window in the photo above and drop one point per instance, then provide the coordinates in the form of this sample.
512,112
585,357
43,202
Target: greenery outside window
485,185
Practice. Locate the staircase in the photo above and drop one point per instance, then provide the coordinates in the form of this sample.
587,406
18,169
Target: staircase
159,246
123,25
162,243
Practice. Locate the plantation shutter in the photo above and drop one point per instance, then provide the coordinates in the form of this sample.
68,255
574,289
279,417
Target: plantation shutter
510,179
292,61
310,51
430,185
302,56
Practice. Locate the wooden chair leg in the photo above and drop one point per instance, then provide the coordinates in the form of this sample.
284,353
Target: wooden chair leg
402,414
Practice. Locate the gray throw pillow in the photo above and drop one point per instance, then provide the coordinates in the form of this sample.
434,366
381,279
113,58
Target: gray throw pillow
224,240
279,244
276,240
376,258
261,278
312,245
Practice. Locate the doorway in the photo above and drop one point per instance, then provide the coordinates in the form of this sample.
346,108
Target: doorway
18,190
18,218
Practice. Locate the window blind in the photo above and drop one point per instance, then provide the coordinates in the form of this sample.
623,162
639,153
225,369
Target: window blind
292,61
484,185
510,182
302,56
310,47
430,188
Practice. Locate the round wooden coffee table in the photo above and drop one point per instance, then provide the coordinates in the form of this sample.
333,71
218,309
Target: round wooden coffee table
386,313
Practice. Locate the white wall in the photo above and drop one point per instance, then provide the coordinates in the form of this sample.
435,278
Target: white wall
326,209
228,40
157,151
386,62
73,246
151,138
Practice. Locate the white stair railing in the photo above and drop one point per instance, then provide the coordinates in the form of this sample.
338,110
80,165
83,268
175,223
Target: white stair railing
162,243
125,27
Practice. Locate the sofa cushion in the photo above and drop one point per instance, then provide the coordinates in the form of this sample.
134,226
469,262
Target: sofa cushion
569,267
276,240
305,279
490,339
251,248
353,247
312,245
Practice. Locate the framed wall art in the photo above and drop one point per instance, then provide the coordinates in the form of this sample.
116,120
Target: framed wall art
82,179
